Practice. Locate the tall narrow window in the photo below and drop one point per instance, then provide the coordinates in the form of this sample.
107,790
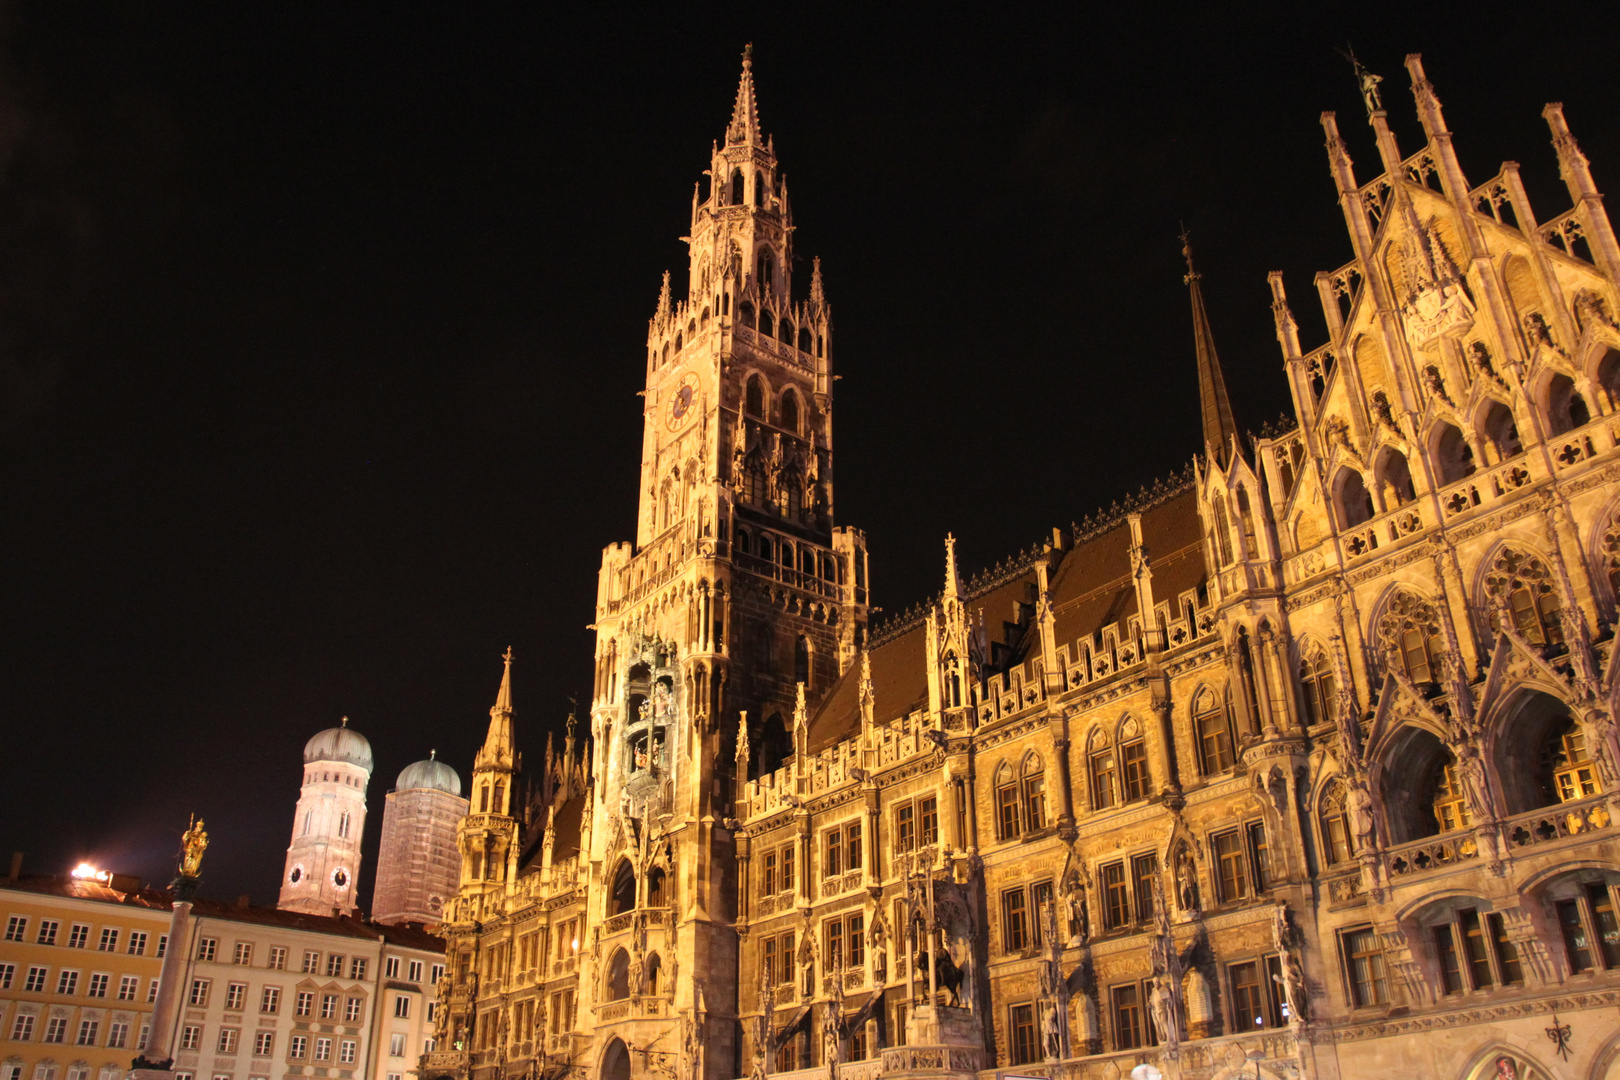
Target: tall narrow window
801,661
1214,732
1133,765
1364,963
1126,1006
1116,896
1006,805
1103,769
1144,871
1317,688
754,397
1014,921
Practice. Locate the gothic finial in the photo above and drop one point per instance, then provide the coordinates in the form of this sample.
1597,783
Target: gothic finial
818,297
953,583
744,126
663,299
1186,253
1219,425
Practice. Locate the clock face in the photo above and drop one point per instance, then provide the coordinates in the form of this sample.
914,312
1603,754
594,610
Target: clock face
682,400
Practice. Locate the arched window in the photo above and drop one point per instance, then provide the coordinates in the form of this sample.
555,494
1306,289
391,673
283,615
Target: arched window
743,545
1134,780
759,493
771,746
764,264
767,323
745,311
804,339
790,411
665,354
766,551
1212,726
496,802
655,887
1104,772
703,320
1316,684
1566,409
738,194
759,189
678,340
1453,457
1034,791
1223,534
654,970
1409,636
754,397
1520,586
623,897
1351,500
1335,825
1393,477
801,661
618,976
1503,434
1007,818
483,798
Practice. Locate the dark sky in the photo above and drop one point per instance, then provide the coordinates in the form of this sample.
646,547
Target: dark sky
321,326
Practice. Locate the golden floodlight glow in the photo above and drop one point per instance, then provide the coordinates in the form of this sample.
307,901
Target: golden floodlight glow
85,872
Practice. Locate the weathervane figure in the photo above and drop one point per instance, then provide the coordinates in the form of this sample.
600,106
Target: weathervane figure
1366,81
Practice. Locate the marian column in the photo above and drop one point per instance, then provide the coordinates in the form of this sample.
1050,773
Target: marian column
157,1059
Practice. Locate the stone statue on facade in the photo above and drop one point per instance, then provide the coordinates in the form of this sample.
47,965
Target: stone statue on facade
1186,875
1291,978
1358,807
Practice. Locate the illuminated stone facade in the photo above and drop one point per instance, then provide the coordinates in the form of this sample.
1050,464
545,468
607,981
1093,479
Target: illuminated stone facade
1307,754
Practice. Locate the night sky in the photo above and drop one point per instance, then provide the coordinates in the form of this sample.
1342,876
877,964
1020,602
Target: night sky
321,326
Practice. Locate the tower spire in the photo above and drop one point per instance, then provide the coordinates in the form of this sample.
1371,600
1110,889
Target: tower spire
497,748
1220,429
744,126
953,582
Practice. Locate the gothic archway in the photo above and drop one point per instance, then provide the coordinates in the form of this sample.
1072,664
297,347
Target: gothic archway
615,1061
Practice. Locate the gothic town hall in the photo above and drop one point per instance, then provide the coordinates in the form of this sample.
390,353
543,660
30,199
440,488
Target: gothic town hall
1303,764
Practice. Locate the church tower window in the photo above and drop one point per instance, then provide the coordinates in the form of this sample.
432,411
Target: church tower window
736,196
1317,689
1213,727
763,266
1453,457
801,661
1351,500
790,411
754,397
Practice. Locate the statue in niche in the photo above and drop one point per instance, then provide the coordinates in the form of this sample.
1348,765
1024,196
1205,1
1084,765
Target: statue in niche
1358,807
1186,875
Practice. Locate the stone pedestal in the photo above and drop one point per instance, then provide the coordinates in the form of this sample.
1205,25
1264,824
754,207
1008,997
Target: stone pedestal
941,1041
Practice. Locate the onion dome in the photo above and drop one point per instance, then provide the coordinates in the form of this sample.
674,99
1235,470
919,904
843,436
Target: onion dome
339,744
432,773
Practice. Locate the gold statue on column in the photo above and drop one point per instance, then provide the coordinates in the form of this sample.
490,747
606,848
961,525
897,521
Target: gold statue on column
192,845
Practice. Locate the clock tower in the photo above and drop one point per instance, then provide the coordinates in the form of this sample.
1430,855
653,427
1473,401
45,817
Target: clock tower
738,591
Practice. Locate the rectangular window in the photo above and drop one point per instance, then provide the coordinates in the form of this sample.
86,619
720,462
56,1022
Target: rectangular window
1116,897
128,986
767,874
414,971
832,862
235,996
334,966
270,999
1251,1004
396,1046
351,1009
767,960
23,1028
297,1045
67,982
1126,1007
47,932
323,1049
1021,1018
346,1052
1474,949
852,845
1507,953
1231,871
1577,945
1604,924
98,984
36,981
199,992
305,1003
1259,856
109,940
357,968
835,945
117,1035
227,1041
264,1043
402,1006
163,946
1144,872
1007,812
137,943
786,862
206,948
7,973
87,1032
1035,802
1102,780
16,927
79,936
855,934
928,821
146,1033
329,1006
1014,921
278,958
152,990
243,954
191,1037
1133,765
905,827
391,968
312,962
1364,963
437,973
